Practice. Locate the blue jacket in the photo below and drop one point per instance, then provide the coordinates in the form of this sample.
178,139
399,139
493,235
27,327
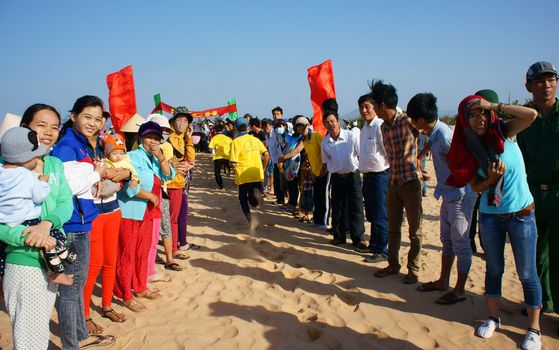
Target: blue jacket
81,175
147,166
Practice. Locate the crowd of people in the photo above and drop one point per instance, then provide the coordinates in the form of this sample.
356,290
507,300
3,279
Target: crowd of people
77,200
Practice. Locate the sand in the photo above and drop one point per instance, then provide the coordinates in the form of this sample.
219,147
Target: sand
285,287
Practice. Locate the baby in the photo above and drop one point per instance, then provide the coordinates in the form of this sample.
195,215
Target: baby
22,194
114,149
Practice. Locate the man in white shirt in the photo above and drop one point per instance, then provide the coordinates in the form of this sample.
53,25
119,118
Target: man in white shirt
374,166
339,152
276,146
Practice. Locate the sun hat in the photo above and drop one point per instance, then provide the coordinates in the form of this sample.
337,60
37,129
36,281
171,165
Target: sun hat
20,145
161,120
301,121
182,111
150,128
113,143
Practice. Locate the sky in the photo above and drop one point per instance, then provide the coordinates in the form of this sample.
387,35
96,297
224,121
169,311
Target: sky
201,53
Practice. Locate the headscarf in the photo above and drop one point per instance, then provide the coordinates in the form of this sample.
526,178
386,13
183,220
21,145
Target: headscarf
468,152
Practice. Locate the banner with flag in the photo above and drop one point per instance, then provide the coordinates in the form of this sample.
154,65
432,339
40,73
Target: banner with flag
232,116
122,96
321,82
207,113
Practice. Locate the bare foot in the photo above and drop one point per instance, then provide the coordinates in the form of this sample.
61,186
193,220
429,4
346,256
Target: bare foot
61,278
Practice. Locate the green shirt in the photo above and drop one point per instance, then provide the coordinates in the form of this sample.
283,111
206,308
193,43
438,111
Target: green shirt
539,144
57,209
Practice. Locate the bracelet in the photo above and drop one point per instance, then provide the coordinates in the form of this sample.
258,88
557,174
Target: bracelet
501,108
491,106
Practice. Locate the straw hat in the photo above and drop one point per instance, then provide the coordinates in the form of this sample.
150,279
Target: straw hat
133,124
10,121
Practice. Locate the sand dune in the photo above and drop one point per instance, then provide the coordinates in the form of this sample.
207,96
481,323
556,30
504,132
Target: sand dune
284,287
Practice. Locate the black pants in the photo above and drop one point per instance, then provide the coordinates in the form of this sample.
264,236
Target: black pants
280,196
347,207
320,195
246,197
218,165
293,188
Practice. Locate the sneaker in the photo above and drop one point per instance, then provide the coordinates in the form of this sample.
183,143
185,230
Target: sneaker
488,327
532,340
375,258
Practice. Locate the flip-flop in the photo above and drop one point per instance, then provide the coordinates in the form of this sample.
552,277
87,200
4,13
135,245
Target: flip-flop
100,340
450,299
192,246
429,287
173,267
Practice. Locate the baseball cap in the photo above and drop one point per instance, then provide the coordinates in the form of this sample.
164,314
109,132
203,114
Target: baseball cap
301,121
540,68
150,128
240,122
20,145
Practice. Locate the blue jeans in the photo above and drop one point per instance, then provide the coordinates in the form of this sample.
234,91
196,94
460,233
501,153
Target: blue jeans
455,230
375,186
522,235
71,316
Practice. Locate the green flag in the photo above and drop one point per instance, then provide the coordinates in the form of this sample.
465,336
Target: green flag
232,116
157,100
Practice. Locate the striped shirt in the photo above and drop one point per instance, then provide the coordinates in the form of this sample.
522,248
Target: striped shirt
400,143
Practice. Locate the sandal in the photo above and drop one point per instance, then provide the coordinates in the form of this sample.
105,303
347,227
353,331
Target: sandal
100,340
430,287
159,277
189,246
114,316
173,267
158,260
450,299
179,256
389,270
134,305
92,327
149,294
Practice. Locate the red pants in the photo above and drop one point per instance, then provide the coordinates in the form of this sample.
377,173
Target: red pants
104,239
178,206
134,243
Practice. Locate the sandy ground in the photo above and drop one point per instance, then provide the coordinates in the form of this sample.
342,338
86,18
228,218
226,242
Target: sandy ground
285,287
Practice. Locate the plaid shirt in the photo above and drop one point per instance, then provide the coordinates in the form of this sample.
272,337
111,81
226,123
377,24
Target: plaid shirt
400,143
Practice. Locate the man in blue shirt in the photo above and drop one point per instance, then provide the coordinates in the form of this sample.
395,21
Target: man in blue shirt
457,205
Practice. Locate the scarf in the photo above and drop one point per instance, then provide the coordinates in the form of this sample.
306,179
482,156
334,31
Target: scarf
468,151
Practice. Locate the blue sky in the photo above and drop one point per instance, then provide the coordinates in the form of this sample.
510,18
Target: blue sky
200,54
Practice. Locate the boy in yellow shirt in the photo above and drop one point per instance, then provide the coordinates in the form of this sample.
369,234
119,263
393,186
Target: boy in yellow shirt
245,156
222,145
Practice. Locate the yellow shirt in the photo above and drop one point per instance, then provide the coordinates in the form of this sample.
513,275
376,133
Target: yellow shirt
178,141
123,164
245,152
222,145
312,147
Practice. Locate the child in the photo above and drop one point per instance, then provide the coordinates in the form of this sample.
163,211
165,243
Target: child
23,192
116,158
306,186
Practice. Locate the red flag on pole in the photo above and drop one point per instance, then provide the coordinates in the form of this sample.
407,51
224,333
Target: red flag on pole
122,96
321,81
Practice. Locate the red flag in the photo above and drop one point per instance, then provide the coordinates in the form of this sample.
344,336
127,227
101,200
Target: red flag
122,96
207,113
321,81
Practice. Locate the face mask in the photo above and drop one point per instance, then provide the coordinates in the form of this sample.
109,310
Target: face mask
280,131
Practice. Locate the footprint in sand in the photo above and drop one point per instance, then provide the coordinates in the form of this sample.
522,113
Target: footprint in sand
292,274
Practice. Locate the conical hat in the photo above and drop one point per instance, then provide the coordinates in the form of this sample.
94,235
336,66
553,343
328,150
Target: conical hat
132,125
10,121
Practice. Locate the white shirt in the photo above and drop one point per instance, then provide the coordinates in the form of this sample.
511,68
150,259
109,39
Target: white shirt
340,156
372,156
